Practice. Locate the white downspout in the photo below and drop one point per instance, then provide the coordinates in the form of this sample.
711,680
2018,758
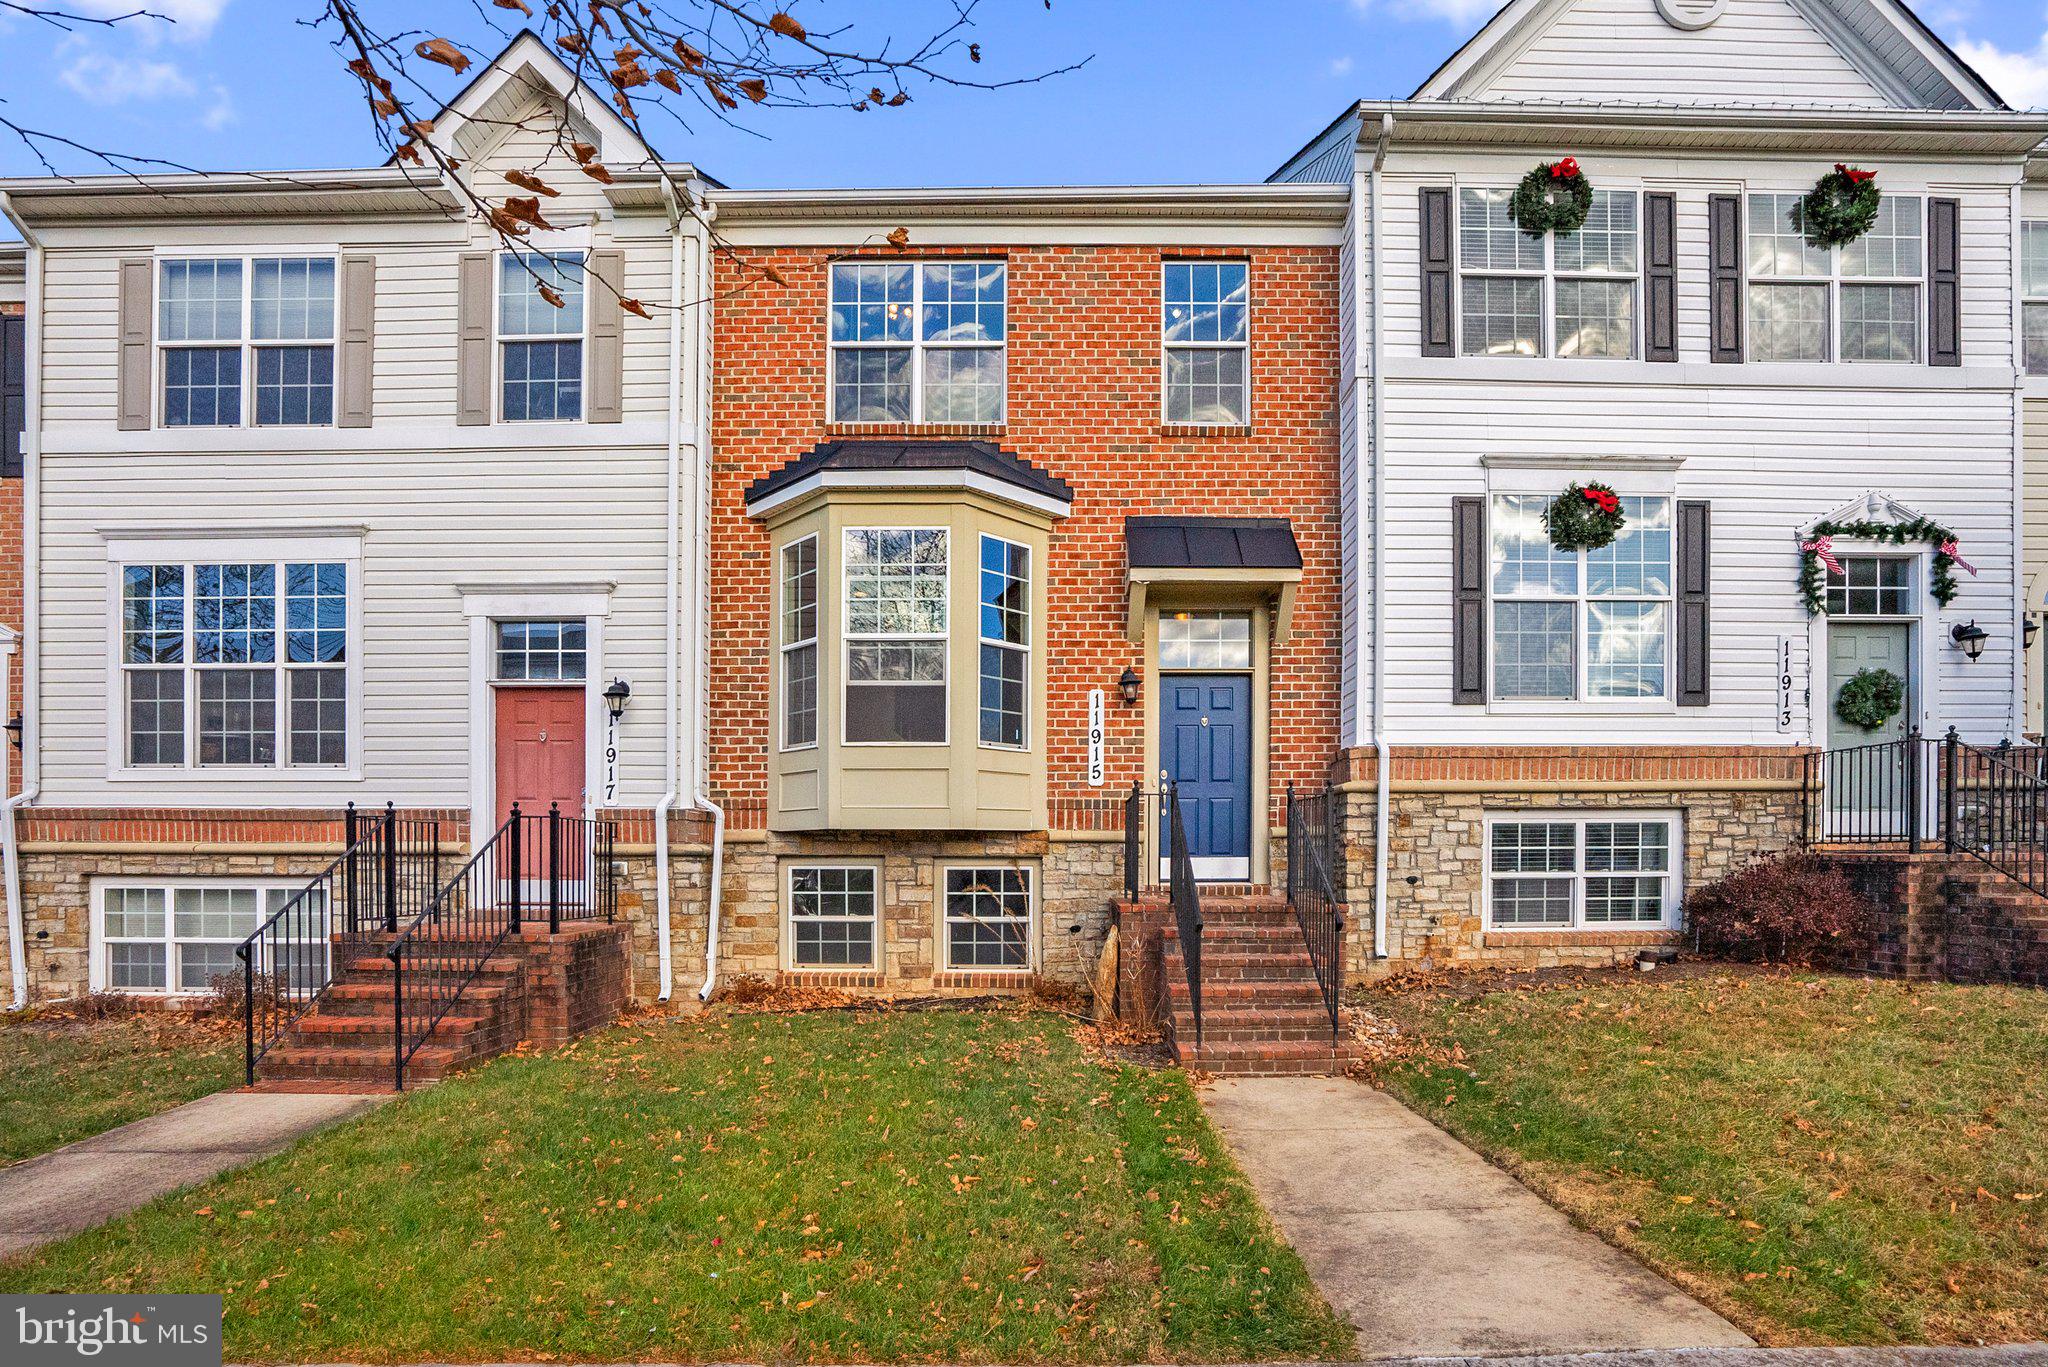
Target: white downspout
672,786
2016,715
700,503
1382,761
31,598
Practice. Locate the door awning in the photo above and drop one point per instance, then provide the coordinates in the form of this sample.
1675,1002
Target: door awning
1216,555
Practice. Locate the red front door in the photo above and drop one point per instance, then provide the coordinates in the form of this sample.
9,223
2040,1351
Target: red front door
540,750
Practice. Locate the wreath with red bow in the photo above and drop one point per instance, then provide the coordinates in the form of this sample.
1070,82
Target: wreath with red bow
1553,198
1841,207
1584,517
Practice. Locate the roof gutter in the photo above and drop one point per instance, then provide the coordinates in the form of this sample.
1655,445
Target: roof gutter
31,598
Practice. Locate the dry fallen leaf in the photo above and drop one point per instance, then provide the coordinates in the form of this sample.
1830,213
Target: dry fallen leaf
442,51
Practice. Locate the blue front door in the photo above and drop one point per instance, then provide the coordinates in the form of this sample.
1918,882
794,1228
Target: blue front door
1205,744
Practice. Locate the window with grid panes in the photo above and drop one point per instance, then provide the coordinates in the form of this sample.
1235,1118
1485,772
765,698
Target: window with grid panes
988,918
1591,625
176,939
896,623
1589,279
1871,288
545,651
919,342
540,345
1557,872
266,319
1005,640
832,916
800,643
1871,586
1205,319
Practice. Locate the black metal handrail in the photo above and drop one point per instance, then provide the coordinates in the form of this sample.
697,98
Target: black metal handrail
1139,850
1994,812
1315,862
535,867
388,869
1186,900
1874,794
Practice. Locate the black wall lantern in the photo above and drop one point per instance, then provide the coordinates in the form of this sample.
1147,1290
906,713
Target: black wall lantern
1127,685
615,697
1970,637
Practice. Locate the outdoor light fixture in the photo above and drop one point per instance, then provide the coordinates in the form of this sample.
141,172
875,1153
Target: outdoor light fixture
615,697
14,729
1127,684
1970,637
2032,628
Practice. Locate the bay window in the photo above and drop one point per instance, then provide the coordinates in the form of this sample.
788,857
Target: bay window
1562,871
1870,288
1591,625
918,342
1005,640
1589,278
800,644
896,630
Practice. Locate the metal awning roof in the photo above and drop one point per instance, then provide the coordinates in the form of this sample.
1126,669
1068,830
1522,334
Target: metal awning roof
1211,543
911,465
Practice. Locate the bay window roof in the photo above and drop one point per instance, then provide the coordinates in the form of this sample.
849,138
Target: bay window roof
972,465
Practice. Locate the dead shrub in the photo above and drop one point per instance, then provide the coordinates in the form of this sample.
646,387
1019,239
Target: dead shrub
1793,908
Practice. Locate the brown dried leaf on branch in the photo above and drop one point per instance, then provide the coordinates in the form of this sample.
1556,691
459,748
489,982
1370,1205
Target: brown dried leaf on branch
668,80
718,93
409,151
582,151
526,211
772,274
549,294
442,51
755,89
572,42
504,222
899,237
419,128
595,170
526,180
634,307
519,5
385,109
787,26
628,74
692,60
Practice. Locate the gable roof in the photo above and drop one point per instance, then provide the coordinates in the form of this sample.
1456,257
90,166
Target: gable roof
1868,506
1904,64
479,115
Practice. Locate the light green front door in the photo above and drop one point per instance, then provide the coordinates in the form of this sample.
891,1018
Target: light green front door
1868,787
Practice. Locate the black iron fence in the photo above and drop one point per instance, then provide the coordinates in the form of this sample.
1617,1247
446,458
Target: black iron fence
387,872
1186,900
1915,794
538,868
1315,881
1144,843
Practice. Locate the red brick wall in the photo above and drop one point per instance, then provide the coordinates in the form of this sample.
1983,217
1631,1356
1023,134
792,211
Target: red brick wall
1084,404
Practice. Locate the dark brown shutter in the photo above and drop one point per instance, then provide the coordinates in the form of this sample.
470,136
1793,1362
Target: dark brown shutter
1724,275
474,300
1439,335
134,371
1660,277
13,393
1695,585
1468,600
1944,282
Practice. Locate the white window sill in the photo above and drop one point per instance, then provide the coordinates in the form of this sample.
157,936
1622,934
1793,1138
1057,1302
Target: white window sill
233,774
1755,374
1561,709
1603,928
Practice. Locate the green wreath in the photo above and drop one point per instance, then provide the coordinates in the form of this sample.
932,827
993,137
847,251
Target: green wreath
1841,207
1870,699
1813,575
1553,198
1584,517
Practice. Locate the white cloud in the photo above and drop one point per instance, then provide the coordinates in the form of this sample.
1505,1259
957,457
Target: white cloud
1464,12
1340,66
2021,77
117,80
221,112
193,19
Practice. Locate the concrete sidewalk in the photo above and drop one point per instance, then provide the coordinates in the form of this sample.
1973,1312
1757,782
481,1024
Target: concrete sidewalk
88,1183
1426,1247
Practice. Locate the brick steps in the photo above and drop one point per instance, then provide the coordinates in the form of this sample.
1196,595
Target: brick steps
1262,1009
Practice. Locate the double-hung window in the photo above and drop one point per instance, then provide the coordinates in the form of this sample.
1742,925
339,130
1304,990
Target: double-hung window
1205,320
161,938
235,664
1871,288
1592,625
2034,295
246,340
919,342
1558,871
1571,296
988,918
1005,640
540,345
896,644
833,916
800,644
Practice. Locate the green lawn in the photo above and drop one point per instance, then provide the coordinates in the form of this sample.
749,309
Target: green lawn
834,1186
61,1081
1823,1159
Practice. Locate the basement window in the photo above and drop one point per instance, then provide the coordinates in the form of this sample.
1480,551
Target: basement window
1559,871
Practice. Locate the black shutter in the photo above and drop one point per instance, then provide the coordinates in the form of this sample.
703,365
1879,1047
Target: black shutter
1439,337
1944,282
1724,275
1695,584
1660,277
13,393
1468,600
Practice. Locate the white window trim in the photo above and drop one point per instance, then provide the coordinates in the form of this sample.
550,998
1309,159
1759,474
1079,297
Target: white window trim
917,345
1031,917
499,337
1923,690
245,416
1831,290
2036,298
1674,884
1548,274
99,971
1167,348
265,548
944,639
1024,650
1579,703
787,648
789,959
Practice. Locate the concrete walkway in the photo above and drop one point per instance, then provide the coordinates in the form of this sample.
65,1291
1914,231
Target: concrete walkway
88,1183
1429,1249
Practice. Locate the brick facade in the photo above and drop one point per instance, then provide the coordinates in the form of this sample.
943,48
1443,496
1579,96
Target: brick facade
1950,918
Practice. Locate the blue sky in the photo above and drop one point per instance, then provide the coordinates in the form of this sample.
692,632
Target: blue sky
1177,90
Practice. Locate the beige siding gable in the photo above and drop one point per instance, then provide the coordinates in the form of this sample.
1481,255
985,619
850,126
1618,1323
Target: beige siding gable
1758,52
